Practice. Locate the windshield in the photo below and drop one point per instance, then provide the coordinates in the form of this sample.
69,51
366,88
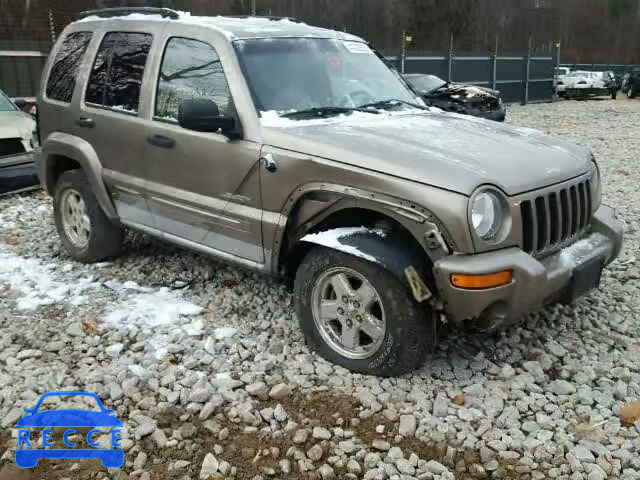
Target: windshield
297,74
6,105
425,83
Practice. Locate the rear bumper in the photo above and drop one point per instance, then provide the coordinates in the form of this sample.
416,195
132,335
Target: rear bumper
18,173
536,282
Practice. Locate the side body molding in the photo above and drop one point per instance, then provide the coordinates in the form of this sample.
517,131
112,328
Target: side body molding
65,145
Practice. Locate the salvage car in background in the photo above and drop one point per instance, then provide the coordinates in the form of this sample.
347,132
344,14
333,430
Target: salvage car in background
560,79
458,97
386,216
18,137
581,85
631,83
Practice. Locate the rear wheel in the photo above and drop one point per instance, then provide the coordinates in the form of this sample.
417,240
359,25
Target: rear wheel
358,315
85,231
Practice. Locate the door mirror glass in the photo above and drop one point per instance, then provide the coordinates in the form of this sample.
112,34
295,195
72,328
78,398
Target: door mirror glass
203,115
20,103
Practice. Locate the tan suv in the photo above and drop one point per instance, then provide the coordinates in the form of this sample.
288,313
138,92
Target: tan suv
298,152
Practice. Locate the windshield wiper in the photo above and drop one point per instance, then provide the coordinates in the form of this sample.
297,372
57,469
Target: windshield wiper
390,103
325,111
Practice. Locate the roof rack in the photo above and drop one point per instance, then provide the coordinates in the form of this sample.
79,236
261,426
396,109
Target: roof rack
266,17
123,11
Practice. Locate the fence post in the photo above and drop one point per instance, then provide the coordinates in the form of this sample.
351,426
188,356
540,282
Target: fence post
52,27
403,51
527,62
450,59
494,78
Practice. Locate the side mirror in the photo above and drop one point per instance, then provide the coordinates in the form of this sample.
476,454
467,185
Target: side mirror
20,103
203,115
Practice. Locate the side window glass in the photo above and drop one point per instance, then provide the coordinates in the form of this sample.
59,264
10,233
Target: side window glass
190,69
62,78
116,76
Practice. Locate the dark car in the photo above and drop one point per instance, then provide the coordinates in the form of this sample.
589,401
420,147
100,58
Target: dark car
631,83
458,97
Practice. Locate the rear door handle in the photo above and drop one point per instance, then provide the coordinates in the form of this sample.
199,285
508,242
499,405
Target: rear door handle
86,122
161,141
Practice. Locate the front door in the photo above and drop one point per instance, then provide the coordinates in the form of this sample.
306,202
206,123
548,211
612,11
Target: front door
202,187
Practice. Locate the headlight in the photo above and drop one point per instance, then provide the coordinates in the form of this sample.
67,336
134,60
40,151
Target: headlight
35,142
486,214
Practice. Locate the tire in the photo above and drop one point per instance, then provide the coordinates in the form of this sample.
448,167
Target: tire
102,239
614,94
410,331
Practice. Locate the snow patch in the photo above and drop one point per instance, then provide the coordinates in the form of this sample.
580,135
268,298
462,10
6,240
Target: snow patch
382,119
151,309
36,283
575,253
332,239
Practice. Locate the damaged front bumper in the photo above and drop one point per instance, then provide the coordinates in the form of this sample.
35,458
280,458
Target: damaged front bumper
18,174
562,276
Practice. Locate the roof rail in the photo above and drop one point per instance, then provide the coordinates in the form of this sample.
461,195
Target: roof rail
266,17
123,11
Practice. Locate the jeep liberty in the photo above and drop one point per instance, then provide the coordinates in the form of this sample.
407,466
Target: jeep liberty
299,152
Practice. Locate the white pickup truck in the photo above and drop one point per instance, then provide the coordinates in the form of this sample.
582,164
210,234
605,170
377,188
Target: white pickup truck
582,84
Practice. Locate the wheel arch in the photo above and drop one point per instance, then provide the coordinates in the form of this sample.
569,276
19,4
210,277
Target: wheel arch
412,238
62,152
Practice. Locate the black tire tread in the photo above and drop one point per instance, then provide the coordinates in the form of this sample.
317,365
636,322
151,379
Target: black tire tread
105,241
410,337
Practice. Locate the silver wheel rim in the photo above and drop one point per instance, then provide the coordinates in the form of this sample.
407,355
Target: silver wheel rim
75,219
348,313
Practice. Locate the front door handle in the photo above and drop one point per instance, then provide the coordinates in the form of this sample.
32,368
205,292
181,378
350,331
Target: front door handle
86,122
270,163
161,141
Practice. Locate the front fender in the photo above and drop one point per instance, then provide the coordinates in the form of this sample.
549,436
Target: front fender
60,144
406,260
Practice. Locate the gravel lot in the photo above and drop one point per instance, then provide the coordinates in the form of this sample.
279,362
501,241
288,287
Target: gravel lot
205,365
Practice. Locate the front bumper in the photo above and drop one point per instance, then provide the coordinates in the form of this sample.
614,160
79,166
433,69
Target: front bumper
495,115
18,173
536,282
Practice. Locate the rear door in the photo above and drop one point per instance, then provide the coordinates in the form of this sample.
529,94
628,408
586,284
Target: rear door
111,121
203,187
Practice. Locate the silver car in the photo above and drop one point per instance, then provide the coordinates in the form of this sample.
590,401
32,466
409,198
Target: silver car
18,137
298,152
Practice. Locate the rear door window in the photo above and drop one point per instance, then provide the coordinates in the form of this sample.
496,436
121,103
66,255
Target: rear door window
190,69
63,74
116,76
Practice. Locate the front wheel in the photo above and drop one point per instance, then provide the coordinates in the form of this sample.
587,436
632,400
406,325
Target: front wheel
614,94
358,315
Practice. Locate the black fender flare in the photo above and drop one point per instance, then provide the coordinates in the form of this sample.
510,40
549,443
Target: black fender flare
406,260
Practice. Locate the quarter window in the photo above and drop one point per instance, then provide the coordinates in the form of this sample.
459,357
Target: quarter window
62,78
190,69
116,76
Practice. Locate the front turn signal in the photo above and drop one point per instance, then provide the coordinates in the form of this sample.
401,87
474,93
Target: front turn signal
482,281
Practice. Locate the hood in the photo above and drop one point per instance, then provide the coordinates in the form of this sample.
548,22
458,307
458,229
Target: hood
450,151
16,124
470,91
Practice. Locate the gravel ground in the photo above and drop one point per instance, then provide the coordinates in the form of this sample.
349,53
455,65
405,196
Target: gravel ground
206,367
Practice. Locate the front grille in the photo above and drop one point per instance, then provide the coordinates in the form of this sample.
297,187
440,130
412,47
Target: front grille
553,219
10,146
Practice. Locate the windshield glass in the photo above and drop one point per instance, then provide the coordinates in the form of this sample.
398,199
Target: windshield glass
6,105
296,74
425,83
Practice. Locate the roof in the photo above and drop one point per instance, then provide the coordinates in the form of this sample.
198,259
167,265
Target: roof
236,28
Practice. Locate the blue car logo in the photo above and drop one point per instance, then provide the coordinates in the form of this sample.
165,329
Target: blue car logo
27,457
